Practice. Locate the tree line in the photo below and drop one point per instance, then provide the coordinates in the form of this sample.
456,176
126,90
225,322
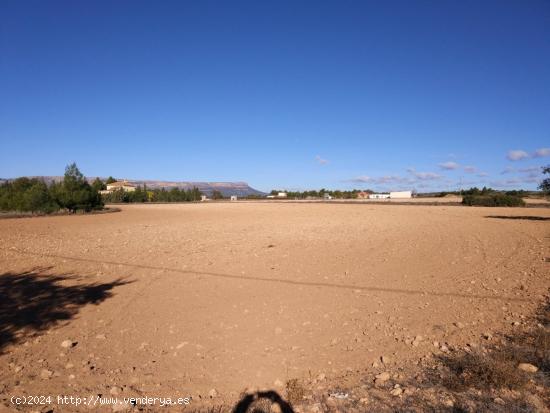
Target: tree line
144,194
337,194
73,194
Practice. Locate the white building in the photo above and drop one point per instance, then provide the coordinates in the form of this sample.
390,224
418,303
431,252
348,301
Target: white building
124,185
233,197
282,195
401,194
379,196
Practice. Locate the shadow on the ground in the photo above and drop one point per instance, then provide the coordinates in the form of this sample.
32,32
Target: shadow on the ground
268,401
520,217
262,402
33,301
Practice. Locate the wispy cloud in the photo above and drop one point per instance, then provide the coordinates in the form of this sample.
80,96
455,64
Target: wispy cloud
320,160
449,166
517,155
531,170
470,169
482,174
415,178
515,181
424,176
542,152
380,180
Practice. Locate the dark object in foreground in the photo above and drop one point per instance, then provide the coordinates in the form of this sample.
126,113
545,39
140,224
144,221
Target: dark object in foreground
255,401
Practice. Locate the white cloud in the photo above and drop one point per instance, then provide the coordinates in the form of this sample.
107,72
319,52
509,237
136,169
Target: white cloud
320,160
449,165
380,180
542,152
482,174
516,155
470,169
532,171
515,181
424,176
393,182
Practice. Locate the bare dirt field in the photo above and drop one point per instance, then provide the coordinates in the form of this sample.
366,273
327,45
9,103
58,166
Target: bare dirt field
182,300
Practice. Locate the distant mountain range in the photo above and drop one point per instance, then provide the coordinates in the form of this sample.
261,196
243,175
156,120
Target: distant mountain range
226,188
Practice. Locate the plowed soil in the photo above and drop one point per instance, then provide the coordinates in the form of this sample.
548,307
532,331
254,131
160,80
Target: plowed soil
178,300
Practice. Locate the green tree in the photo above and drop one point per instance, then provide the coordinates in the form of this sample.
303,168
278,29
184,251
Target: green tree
37,198
545,184
24,194
75,193
217,194
195,194
98,185
110,180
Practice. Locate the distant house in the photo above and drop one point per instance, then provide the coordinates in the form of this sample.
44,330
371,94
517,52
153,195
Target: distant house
401,194
379,196
124,185
279,195
204,198
362,195
327,196
233,197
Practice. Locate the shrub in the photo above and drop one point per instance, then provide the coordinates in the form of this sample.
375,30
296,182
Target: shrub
493,200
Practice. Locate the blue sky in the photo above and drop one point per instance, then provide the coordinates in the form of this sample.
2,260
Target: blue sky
429,95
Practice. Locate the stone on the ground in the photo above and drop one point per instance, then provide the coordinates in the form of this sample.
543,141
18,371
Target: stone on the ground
115,390
46,374
67,344
382,377
397,392
528,367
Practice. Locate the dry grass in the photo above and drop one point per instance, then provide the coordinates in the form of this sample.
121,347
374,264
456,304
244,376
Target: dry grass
295,391
495,369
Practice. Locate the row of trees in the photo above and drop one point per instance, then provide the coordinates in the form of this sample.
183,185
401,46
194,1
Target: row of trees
321,193
143,194
74,193
490,191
